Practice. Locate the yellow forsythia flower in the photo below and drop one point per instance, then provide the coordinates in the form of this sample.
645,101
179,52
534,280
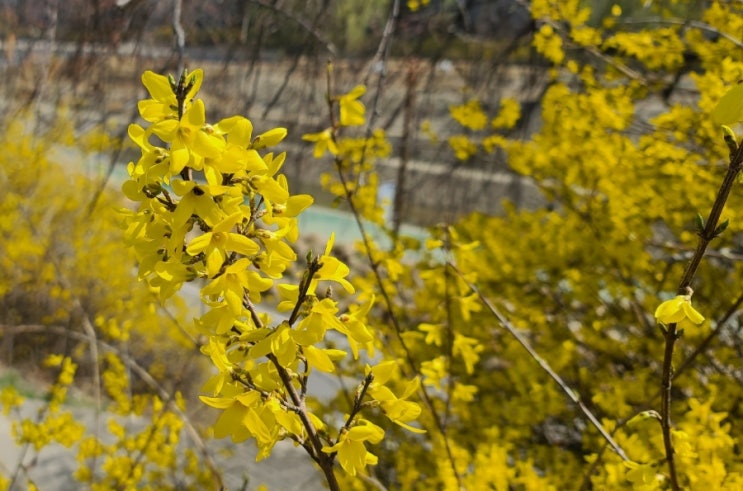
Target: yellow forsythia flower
352,453
678,310
469,115
352,110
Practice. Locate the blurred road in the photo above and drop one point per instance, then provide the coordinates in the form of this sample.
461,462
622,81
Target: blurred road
288,468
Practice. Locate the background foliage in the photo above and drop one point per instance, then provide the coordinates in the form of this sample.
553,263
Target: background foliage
560,165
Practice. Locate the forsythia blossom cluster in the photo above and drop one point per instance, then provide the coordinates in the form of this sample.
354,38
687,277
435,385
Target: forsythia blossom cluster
213,206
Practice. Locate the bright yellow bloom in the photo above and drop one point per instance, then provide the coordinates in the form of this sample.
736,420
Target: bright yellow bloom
355,329
323,142
198,200
163,103
332,269
468,349
153,164
352,110
549,44
352,453
279,343
322,358
414,5
269,188
268,139
9,399
170,277
190,139
397,409
462,146
321,317
509,114
217,244
239,418
645,476
678,310
232,285
470,115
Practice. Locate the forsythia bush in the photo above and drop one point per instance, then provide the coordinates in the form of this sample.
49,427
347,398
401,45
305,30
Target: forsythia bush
70,304
214,208
594,286
591,343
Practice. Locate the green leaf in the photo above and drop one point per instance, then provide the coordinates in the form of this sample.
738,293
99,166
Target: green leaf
699,223
722,227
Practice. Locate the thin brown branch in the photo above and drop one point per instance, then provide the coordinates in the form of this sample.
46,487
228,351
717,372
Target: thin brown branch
702,26
314,449
358,400
398,205
389,306
374,265
358,405
575,398
180,34
702,347
304,287
671,332
311,29
324,460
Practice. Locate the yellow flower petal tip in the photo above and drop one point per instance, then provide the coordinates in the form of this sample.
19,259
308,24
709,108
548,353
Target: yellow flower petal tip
678,310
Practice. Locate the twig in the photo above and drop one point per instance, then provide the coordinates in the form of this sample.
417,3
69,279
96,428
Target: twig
542,363
357,407
180,33
374,265
670,332
448,296
311,29
398,205
702,347
702,26
324,460
358,400
304,287
380,57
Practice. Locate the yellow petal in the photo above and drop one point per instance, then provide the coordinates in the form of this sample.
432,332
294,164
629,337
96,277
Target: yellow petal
692,314
269,138
198,244
217,402
366,432
317,358
729,109
198,77
670,312
157,85
242,245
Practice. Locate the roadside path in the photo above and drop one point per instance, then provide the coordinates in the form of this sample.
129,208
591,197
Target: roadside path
287,469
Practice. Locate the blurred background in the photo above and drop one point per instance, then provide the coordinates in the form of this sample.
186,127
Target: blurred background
70,79
267,60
